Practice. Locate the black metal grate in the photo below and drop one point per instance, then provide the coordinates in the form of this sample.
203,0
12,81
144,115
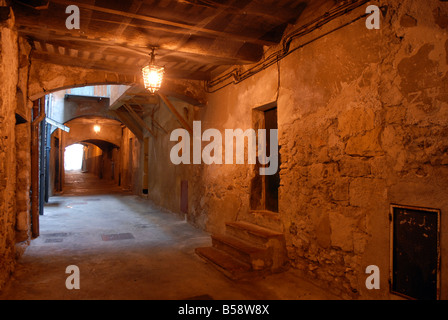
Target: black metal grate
118,236
56,235
54,240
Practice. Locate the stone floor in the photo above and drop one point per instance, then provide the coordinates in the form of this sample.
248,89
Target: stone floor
127,248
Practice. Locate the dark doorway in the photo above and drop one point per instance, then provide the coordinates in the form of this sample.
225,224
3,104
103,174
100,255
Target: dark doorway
415,252
264,188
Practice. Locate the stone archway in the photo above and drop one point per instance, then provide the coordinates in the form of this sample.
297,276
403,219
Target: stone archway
46,78
81,130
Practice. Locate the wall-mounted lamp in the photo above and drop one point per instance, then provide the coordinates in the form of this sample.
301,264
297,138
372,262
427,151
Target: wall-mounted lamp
153,75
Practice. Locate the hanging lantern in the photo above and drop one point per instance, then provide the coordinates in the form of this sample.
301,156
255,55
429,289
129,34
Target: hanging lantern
153,75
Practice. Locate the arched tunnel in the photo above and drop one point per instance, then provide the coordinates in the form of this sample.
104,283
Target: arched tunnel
101,139
227,150
98,168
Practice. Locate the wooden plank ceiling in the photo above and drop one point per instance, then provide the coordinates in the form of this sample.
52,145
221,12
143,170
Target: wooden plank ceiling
196,39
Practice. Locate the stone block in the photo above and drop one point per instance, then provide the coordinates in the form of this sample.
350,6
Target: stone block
365,192
360,242
354,167
323,231
395,115
340,190
408,21
342,228
355,121
367,145
22,222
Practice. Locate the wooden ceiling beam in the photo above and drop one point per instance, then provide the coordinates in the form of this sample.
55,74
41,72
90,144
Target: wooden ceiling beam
174,111
186,33
134,101
193,44
194,50
159,21
126,119
137,118
135,6
268,12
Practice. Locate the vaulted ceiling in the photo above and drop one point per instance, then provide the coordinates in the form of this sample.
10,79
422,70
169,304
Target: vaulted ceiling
195,39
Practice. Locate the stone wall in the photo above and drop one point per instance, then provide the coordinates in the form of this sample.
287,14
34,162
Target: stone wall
93,160
130,162
363,123
8,88
164,178
23,169
23,143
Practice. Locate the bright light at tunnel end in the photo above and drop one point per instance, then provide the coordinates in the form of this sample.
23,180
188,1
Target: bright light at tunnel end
73,157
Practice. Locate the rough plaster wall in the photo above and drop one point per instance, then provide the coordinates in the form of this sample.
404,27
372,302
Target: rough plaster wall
330,122
130,162
108,160
116,160
23,155
23,169
361,126
226,188
164,178
124,160
8,85
93,159
375,133
136,167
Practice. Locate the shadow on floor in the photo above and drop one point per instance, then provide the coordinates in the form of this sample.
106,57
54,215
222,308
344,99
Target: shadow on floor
154,261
